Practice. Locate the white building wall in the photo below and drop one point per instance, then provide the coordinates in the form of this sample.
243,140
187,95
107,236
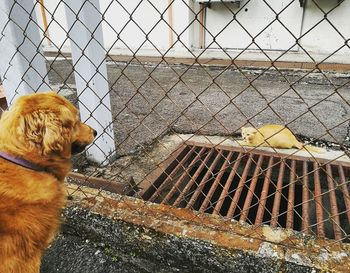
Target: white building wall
145,29
256,20
147,34
326,38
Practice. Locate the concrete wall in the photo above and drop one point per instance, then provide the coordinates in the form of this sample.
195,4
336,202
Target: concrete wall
147,34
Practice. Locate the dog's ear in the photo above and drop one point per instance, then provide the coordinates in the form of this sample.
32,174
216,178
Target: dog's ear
53,138
45,129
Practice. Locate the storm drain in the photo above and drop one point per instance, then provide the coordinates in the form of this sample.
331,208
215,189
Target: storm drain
257,187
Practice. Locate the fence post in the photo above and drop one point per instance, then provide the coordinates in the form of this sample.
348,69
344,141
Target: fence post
90,71
22,63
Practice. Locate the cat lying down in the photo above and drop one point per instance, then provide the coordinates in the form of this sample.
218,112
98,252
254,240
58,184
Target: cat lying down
274,136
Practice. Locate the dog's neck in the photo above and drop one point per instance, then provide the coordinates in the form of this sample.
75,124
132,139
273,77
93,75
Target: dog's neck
22,162
58,167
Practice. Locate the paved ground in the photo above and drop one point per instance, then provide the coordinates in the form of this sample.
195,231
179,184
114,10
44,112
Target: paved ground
149,101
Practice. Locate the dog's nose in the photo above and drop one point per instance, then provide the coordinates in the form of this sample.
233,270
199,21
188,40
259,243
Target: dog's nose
94,132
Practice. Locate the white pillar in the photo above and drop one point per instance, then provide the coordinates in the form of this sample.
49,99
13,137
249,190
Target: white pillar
22,63
88,55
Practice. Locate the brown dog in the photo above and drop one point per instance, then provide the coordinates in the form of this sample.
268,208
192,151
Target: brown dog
38,135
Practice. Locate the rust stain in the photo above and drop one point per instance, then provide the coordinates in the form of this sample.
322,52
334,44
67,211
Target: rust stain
90,200
214,229
182,222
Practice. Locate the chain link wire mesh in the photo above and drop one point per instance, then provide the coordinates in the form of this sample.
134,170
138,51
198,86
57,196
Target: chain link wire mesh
166,89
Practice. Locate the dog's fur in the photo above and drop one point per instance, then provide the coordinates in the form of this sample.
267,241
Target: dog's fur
43,129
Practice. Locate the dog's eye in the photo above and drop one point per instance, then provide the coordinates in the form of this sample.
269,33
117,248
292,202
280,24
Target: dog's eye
67,124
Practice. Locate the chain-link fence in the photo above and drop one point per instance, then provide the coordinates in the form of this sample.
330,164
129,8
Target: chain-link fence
170,84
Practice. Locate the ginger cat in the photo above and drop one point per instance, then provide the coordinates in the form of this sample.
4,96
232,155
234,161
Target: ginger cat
274,136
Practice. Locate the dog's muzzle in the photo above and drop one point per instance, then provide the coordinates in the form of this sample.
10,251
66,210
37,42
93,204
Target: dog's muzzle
78,147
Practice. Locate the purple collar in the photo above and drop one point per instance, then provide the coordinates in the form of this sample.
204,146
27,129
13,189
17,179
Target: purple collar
22,162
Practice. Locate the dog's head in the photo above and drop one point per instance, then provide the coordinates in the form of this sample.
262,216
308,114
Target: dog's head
46,123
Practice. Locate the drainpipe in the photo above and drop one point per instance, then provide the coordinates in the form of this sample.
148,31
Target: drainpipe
201,25
43,15
170,21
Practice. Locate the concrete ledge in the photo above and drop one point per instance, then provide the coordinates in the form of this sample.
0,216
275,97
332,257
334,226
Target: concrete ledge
184,240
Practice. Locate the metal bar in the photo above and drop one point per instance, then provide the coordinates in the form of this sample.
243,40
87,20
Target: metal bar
193,179
216,183
151,181
345,190
249,198
201,162
227,184
278,195
291,197
100,183
264,192
239,188
185,173
254,150
333,202
305,200
204,180
318,201
170,176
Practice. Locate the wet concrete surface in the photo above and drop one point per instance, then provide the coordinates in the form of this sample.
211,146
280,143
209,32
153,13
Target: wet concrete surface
149,101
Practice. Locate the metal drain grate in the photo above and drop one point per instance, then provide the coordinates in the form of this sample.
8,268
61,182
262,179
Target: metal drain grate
257,187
